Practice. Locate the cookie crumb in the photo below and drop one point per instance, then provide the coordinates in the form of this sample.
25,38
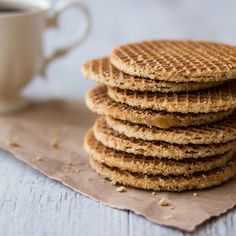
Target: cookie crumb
153,193
113,182
12,143
39,158
54,143
168,217
140,58
132,62
120,189
164,202
172,207
195,194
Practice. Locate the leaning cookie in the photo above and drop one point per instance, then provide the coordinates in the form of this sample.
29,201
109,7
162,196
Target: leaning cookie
102,71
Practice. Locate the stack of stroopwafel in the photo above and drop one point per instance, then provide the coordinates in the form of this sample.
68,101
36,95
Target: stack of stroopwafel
168,120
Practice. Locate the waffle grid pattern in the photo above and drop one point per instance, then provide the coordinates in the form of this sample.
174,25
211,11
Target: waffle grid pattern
112,139
203,101
98,101
217,132
102,71
167,183
150,165
168,120
193,60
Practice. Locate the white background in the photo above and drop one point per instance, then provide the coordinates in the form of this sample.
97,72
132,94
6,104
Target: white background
117,22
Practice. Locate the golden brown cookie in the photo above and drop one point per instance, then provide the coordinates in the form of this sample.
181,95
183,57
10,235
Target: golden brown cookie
177,60
167,183
217,132
112,139
102,71
150,165
98,101
216,99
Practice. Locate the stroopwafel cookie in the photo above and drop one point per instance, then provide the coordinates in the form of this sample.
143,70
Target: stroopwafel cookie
216,99
112,139
217,132
177,60
167,183
150,165
102,71
98,101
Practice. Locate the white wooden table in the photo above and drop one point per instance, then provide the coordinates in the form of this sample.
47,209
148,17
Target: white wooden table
32,204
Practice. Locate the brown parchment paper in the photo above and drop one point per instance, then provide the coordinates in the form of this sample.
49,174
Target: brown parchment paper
31,134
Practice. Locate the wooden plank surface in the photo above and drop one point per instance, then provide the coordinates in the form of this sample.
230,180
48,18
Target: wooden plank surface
32,204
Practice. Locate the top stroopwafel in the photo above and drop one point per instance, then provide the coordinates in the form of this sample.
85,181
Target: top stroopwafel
177,61
216,99
102,71
98,101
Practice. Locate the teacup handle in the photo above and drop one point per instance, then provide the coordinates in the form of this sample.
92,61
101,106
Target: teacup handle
52,21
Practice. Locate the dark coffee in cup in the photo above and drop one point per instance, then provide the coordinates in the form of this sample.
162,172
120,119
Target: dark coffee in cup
15,8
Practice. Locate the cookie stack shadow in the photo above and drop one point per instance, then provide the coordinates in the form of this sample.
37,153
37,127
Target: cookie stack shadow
167,115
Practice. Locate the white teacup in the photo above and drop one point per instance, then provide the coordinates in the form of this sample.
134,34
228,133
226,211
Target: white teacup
22,23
